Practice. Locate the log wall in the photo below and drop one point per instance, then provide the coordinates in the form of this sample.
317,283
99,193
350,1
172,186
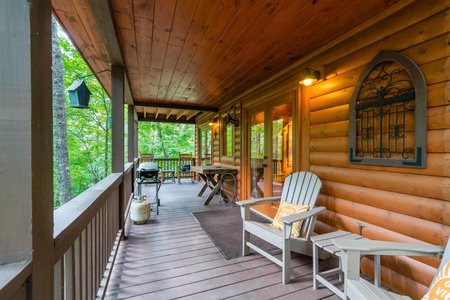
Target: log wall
217,138
383,203
390,203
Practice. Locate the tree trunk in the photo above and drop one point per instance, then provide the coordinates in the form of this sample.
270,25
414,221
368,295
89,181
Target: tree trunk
161,139
61,153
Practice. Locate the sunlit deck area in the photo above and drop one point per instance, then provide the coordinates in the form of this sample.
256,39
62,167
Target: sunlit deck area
171,257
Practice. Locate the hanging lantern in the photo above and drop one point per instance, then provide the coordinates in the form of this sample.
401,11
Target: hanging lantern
79,94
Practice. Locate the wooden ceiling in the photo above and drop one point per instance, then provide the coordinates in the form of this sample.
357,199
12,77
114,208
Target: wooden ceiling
185,57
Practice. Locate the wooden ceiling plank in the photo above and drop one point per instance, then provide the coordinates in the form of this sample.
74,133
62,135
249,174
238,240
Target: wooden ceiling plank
170,62
123,13
262,40
229,47
204,16
63,6
102,15
246,73
71,23
184,14
162,20
143,14
144,82
87,19
272,50
92,47
216,40
237,37
249,73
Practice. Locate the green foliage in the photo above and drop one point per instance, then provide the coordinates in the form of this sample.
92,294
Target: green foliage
166,139
89,135
257,140
88,131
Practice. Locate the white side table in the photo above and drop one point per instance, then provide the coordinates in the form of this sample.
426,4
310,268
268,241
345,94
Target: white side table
323,241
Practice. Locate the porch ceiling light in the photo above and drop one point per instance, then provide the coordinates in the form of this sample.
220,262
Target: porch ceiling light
310,77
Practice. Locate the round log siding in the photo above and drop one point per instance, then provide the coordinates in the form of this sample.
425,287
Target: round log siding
396,204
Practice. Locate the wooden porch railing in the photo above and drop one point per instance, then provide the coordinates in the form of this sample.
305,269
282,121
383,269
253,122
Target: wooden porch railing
170,163
87,232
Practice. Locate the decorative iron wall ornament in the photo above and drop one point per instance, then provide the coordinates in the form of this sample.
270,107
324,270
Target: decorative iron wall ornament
387,121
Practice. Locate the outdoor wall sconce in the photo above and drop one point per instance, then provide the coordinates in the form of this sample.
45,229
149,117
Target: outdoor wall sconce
310,77
230,119
211,121
79,94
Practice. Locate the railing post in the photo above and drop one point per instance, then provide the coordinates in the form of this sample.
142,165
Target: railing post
117,99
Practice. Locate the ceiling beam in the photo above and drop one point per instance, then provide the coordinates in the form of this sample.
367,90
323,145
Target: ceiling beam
177,106
101,10
173,119
169,113
191,114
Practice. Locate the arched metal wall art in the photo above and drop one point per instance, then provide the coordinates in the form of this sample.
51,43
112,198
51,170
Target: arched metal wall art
387,121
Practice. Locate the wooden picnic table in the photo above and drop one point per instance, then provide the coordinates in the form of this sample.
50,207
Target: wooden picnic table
208,174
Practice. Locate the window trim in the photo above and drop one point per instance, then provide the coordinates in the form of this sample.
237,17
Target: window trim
420,114
224,139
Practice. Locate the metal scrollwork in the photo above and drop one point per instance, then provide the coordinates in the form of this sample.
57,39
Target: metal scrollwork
387,121
382,105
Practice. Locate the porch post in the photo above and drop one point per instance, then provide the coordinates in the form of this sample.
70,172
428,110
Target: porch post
41,146
118,137
118,152
26,161
132,134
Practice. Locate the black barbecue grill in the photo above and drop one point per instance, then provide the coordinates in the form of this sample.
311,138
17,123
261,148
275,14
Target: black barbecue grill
148,174
148,170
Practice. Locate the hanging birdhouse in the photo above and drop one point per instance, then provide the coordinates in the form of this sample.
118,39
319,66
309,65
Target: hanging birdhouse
79,94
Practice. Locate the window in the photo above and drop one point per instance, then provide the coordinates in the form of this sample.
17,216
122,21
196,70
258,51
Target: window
228,138
387,122
205,146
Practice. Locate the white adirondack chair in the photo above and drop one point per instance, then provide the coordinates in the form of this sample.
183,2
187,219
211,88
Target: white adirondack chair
298,188
356,288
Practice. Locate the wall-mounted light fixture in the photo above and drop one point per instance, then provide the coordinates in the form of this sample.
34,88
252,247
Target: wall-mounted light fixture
310,76
211,121
79,94
233,120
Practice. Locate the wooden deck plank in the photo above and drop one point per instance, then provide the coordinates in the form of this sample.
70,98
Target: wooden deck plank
171,257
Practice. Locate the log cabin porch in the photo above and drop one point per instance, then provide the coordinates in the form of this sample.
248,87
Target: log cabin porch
171,257
248,55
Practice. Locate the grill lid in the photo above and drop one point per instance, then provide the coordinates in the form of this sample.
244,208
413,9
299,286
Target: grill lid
148,166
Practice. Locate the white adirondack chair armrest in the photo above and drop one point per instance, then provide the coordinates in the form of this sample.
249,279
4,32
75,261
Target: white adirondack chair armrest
388,248
291,219
257,201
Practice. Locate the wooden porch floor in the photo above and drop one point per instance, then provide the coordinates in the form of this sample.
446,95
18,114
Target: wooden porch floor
171,257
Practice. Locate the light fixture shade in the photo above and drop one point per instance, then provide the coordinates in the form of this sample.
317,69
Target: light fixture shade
310,77
79,94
